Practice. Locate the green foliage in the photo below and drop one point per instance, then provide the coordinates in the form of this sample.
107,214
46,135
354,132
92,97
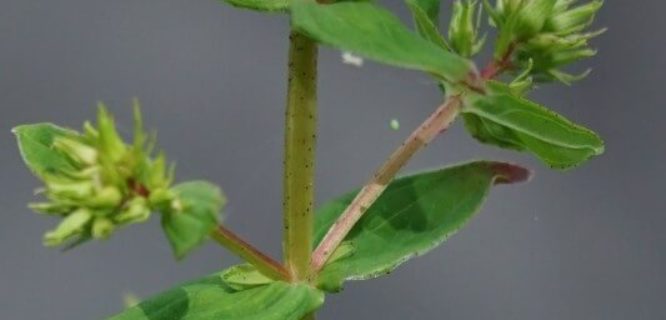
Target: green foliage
211,298
368,30
96,182
426,18
244,276
429,7
36,145
506,120
191,218
261,5
414,215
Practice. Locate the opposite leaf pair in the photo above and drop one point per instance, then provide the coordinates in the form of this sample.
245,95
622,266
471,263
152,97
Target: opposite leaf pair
415,215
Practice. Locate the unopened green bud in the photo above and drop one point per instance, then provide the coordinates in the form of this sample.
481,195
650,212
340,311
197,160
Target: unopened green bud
574,20
89,131
137,211
112,145
102,228
51,208
569,56
70,189
85,173
160,197
157,172
77,151
532,16
463,30
107,197
72,225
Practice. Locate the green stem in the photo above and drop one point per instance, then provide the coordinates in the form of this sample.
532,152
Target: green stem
262,262
300,140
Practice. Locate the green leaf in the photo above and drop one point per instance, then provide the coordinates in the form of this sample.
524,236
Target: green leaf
506,120
211,298
244,276
36,145
261,5
414,215
426,20
430,7
366,29
195,216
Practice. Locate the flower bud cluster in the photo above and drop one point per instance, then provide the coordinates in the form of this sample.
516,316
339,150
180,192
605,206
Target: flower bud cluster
545,35
108,184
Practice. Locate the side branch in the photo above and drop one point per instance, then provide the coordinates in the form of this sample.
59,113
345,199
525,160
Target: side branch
258,259
438,122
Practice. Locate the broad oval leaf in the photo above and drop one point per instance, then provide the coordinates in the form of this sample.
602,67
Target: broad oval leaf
189,225
414,215
210,298
36,146
371,31
261,5
506,120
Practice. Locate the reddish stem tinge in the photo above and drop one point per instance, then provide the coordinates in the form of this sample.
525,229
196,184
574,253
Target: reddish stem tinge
258,259
438,122
497,66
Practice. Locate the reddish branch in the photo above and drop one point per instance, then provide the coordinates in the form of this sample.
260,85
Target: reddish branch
265,264
498,66
424,134
438,122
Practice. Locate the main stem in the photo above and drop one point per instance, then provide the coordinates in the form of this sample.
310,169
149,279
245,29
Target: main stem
300,141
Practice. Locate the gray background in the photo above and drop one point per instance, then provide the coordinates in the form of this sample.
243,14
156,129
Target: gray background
585,244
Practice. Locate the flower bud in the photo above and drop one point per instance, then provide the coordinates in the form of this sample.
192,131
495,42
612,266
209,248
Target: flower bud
161,197
463,30
136,211
76,151
107,197
574,20
102,228
70,189
112,145
71,226
52,208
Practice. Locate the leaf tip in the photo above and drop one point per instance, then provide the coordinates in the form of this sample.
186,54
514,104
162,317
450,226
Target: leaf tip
508,173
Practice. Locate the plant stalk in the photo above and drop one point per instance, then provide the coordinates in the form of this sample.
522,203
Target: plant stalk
438,122
300,142
265,264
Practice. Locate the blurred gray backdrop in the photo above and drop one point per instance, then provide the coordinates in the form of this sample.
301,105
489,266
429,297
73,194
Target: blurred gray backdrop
585,244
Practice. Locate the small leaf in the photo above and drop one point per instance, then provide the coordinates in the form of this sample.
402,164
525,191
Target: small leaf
211,298
194,217
36,143
368,30
414,215
426,20
506,120
261,5
244,276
